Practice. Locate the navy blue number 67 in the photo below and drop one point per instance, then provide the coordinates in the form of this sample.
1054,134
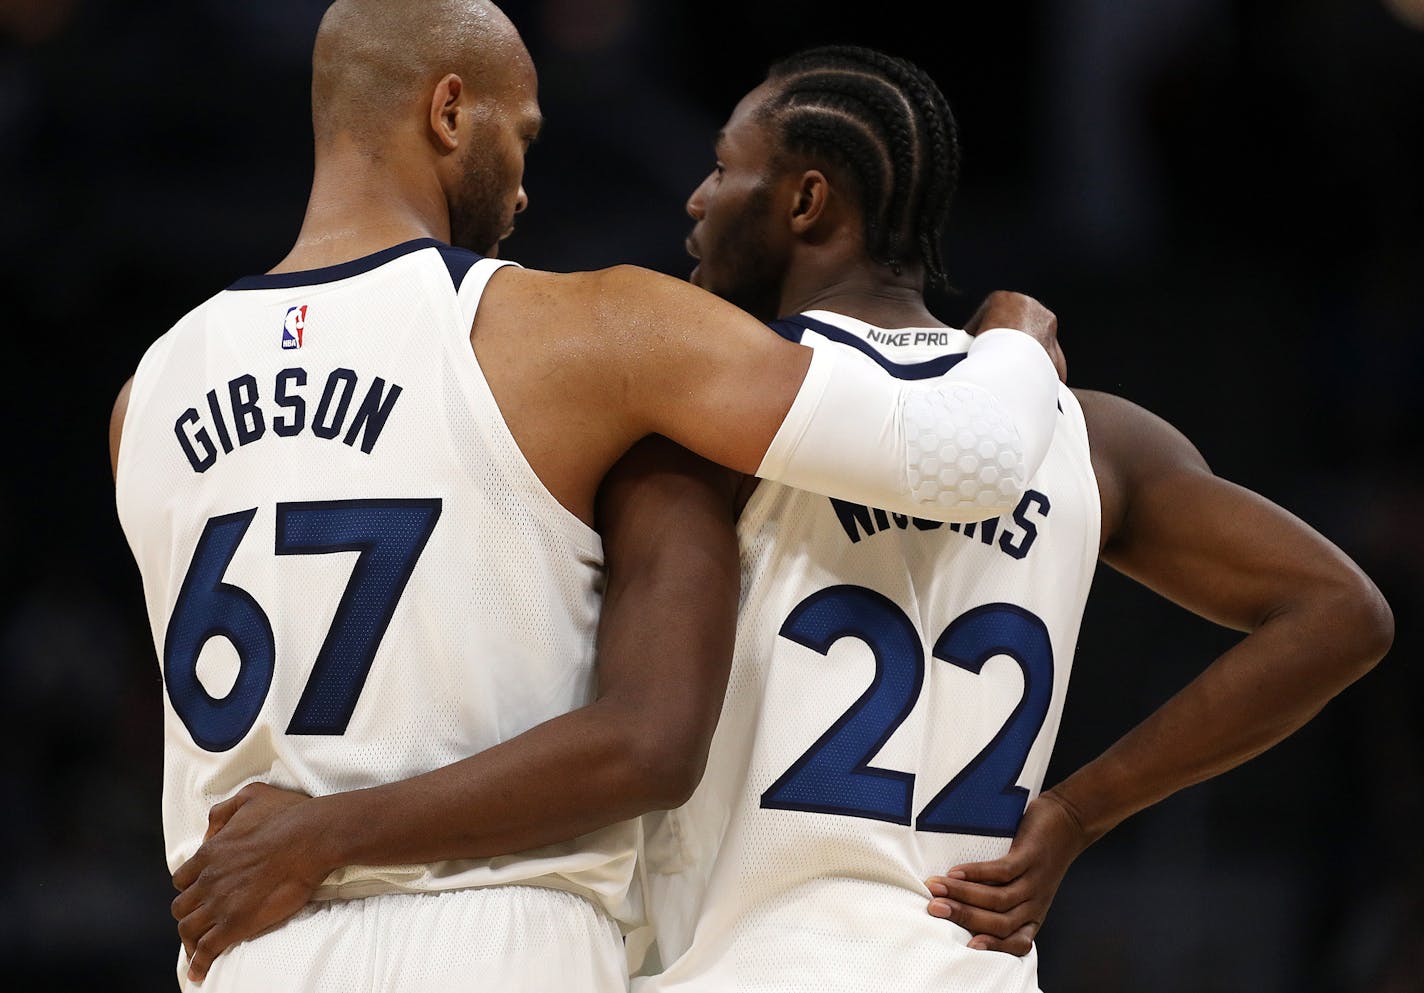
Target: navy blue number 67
834,775
388,534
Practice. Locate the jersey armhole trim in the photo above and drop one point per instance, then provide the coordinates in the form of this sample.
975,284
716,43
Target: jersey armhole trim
468,298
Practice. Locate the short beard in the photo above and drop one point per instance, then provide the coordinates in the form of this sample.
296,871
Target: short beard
751,281
477,220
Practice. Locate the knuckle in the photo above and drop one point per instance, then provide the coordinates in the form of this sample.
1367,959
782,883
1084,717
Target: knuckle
973,921
996,925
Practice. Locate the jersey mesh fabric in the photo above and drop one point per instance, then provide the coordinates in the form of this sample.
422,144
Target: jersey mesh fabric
493,632
511,938
767,879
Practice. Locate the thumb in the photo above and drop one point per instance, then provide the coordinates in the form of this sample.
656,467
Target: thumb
997,872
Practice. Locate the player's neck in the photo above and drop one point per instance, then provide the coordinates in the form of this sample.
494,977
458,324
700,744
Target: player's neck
358,207
875,296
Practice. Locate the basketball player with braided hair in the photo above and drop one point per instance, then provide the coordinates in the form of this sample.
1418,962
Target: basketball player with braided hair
361,490
897,684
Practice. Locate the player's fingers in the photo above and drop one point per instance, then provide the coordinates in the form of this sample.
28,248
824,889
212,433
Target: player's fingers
972,919
192,928
186,902
212,944
189,871
1019,943
996,898
1060,362
999,871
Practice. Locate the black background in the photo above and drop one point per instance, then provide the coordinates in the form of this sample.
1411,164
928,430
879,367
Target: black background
1221,200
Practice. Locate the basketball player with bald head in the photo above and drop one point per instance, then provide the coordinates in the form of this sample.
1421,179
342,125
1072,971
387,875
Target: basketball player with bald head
898,683
361,490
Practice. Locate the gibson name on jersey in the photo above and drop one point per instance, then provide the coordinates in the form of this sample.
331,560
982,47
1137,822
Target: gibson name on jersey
240,413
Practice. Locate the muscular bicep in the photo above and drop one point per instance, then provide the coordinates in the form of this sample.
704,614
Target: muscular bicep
1204,542
670,607
958,447
699,370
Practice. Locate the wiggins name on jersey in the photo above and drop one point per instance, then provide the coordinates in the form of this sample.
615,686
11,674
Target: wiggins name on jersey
895,693
352,574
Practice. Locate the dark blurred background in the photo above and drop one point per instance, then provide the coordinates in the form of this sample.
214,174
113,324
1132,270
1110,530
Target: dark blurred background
1221,199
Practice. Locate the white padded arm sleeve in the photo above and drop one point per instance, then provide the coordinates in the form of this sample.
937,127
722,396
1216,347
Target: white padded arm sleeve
961,447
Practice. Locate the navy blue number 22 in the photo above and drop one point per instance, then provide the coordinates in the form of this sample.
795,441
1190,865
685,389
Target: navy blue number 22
835,776
388,534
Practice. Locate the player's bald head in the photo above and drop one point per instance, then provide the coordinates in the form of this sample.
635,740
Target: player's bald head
376,60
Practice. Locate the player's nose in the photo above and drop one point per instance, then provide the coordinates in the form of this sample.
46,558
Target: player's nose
696,209
521,200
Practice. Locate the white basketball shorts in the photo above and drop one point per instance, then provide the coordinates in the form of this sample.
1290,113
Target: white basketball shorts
506,938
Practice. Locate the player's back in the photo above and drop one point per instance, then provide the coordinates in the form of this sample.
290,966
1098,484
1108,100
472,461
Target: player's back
894,698
353,576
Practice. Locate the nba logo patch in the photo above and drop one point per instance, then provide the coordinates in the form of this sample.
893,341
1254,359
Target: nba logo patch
293,326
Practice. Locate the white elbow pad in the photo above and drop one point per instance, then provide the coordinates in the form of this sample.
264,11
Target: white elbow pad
958,448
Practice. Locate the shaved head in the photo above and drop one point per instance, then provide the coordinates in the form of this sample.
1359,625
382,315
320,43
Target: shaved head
376,60
429,93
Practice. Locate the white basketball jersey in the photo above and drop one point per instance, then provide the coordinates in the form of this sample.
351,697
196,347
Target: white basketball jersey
894,698
352,574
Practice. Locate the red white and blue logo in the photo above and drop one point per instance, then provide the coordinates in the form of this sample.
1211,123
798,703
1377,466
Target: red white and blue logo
293,327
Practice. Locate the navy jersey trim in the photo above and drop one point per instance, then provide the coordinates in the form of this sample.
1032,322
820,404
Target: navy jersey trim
787,329
792,328
456,260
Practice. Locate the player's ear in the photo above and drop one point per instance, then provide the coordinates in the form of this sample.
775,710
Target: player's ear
445,112
809,204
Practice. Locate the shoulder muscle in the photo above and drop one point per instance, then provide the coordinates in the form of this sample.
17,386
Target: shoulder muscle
1130,445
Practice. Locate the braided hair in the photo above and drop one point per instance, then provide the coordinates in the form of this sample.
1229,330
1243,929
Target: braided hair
888,127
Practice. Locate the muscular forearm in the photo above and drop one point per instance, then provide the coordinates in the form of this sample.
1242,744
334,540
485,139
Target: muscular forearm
664,648
1252,697
569,776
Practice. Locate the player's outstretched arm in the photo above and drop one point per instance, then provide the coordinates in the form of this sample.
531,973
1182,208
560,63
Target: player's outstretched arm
961,447
1315,624
664,650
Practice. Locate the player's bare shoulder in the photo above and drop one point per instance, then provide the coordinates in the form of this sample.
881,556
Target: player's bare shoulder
588,299
577,321
533,332
1130,447
1125,435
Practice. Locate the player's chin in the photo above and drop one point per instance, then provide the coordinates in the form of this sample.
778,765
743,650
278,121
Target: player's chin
493,251
695,277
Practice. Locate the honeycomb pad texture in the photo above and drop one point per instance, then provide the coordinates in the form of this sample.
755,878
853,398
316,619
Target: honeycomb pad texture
961,447
963,451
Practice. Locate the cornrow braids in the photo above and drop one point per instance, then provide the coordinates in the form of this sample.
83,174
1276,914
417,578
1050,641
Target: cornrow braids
888,126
